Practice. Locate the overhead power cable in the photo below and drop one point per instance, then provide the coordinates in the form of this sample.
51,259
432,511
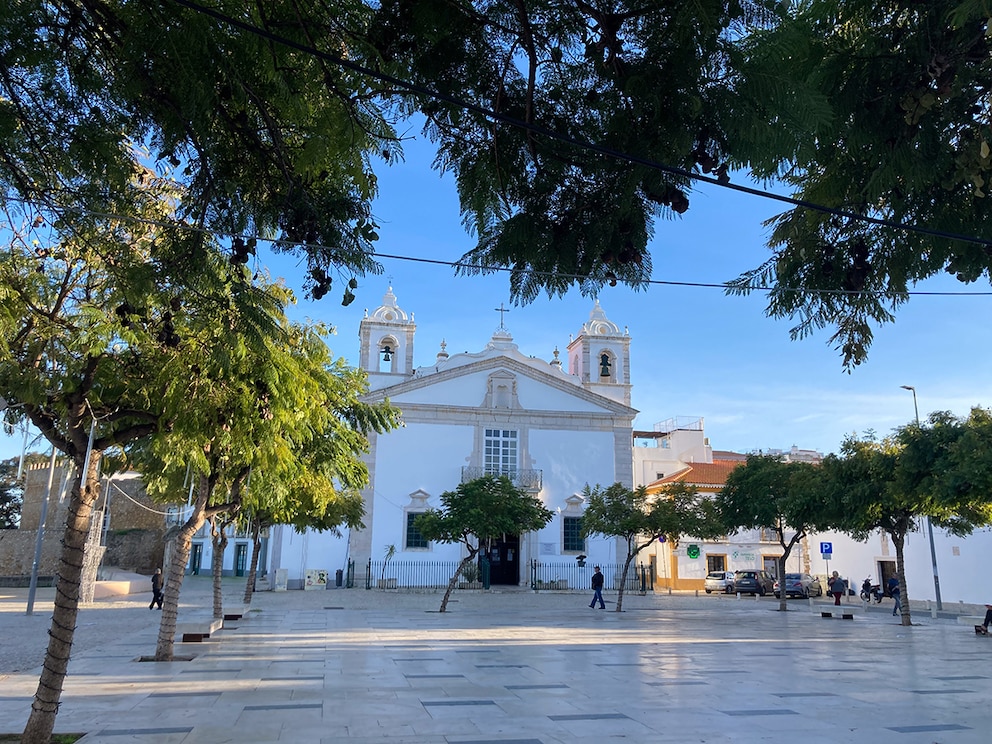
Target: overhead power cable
505,269
568,139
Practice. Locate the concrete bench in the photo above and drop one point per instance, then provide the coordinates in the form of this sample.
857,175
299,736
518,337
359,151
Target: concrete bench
195,627
971,619
235,612
841,615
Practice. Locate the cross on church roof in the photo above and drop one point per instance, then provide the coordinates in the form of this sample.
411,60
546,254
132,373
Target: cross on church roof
501,310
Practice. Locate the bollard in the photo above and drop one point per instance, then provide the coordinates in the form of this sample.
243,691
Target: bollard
697,594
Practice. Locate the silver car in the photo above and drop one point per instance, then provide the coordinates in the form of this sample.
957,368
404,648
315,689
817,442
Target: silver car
800,585
719,581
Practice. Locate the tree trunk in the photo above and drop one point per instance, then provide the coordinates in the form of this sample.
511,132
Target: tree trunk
623,581
177,571
899,540
454,579
217,564
45,706
783,595
256,546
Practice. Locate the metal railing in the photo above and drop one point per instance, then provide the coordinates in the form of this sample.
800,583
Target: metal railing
562,576
424,575
529,480
435,575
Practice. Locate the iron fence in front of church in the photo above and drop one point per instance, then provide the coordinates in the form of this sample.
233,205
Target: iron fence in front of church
425,575
558,576
538,575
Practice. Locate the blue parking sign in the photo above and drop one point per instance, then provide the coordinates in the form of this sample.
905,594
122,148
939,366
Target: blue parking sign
826,548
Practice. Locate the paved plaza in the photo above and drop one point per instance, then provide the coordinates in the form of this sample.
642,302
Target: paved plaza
515,668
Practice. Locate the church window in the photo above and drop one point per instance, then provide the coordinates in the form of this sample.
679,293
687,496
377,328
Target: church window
572,540
414,540
500,455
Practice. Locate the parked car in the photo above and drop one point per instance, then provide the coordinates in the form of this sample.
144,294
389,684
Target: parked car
719,581
754,582
800,585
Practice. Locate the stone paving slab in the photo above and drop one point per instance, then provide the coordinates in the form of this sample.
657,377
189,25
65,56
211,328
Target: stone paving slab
523,668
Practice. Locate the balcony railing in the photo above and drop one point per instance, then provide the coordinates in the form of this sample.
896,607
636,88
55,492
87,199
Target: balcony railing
529,480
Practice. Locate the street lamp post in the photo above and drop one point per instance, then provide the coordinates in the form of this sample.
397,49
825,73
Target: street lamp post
933,550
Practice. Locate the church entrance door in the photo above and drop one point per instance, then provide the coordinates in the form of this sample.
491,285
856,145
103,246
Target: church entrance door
504,560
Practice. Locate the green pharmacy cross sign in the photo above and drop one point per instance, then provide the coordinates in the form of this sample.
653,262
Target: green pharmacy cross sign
692,551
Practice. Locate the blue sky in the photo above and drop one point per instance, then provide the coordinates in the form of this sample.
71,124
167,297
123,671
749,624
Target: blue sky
694,351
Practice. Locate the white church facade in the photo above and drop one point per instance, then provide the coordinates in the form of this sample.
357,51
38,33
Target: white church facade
550,429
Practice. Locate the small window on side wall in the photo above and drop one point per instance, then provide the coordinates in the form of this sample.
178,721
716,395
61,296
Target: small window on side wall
572,540
414,540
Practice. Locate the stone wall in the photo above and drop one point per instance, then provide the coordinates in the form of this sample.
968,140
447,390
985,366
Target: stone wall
17,552
134,538
140,551
130,507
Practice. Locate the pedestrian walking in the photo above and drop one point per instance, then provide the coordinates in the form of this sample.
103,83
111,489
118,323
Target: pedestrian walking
157,595
837,587
597,589
893,587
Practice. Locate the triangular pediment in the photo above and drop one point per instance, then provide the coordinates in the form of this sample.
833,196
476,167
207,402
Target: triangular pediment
466,385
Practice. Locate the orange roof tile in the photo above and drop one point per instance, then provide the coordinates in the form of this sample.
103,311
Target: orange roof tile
712,474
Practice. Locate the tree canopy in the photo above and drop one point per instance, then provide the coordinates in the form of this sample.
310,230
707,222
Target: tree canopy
876,109
784,497
929,471
570,128
477,512
640,518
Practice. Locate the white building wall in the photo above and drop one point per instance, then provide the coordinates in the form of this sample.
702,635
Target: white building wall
961,563
418,457
311,550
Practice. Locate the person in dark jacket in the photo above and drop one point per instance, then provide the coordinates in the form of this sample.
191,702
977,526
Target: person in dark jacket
893,587
597,589
157,595
988,621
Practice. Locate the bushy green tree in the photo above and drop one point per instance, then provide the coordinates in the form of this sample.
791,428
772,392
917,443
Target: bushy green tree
92,317
640,518
476,513
785,497
273,405
926,471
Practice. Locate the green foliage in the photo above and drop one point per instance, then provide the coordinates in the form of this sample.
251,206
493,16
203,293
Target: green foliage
786,497
11,495
281,409
640,518
481,510
471,573
647,79
267,129
262,138
881,109
476,513
767,493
